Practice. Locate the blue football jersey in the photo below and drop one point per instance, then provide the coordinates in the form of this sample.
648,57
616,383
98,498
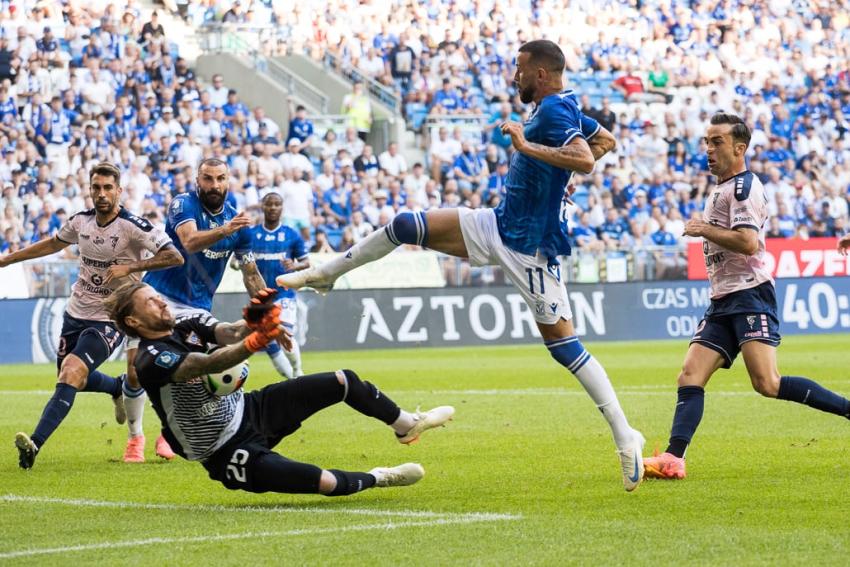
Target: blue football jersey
532,216
194,283
271,247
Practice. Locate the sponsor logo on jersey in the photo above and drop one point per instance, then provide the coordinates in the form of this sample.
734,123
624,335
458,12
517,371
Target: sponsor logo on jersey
216,255
98,240
103,264
84,236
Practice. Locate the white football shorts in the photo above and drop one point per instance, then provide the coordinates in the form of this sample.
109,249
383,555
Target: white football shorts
538,282
288,312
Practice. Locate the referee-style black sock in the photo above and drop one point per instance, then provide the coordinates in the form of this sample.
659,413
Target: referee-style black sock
808,392
689,408
351,482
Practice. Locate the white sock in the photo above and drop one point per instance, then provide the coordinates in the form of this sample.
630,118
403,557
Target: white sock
294,357
404,422
134,403
281,364
596,383
375,246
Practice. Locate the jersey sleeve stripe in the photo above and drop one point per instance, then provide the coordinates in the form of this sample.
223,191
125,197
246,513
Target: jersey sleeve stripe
752,226
184,221
571,134
304,257
61,240
595,132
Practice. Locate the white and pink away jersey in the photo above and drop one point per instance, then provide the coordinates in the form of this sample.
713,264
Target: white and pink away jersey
737,202
127,238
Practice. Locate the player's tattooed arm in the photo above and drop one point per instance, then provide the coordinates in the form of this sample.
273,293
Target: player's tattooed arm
601,143
194,240
166,257
229,333
251,277
197,363
37,250
575,156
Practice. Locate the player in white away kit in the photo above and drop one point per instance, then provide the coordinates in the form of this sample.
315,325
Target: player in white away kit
742,315
525,234
113,244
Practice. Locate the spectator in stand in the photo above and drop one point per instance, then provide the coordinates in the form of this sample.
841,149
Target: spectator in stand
392,162
358,108
442,153
366,164
470,170
300,127
632,89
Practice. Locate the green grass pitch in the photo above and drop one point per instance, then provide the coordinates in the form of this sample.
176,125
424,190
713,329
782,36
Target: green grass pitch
525,474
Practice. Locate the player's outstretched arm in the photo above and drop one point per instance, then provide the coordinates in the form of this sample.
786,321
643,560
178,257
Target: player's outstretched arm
575,156
197,363
601,143
741,240
166,257
251,277
194,240
37,250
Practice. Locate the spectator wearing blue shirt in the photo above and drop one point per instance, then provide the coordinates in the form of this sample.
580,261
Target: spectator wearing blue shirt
505,114
446,100
583,234
613,230
300,127
234,105
469,169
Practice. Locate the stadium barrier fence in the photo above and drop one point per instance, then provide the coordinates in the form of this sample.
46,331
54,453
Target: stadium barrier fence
418,317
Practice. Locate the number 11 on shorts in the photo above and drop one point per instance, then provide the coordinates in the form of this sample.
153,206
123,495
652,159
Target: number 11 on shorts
530,272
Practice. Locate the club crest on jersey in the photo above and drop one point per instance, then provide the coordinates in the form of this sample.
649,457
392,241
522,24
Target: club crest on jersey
194,339
114,240
539,307
281,237
166,359
751,320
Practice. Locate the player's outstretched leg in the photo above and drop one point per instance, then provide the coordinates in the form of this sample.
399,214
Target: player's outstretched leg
406,228
808,392
571,354
97,381
366,398
279,360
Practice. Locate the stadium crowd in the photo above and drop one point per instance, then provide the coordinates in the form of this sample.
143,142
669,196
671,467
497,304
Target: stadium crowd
79,84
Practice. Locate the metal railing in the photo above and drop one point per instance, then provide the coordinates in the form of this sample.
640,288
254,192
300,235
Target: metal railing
254,42
384,94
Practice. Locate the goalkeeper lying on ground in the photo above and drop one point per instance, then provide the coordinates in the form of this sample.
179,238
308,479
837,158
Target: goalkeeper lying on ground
233,435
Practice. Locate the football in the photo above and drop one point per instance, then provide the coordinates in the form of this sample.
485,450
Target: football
228,381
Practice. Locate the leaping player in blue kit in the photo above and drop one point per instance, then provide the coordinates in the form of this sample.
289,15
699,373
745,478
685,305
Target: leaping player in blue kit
525,234
278,250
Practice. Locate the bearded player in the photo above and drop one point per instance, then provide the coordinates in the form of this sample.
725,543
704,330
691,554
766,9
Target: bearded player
206,231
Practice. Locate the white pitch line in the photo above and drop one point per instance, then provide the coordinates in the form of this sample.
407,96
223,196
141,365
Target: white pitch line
224,537
216,508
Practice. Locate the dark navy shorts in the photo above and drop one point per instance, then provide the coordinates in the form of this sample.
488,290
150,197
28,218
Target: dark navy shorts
726,333
91,341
